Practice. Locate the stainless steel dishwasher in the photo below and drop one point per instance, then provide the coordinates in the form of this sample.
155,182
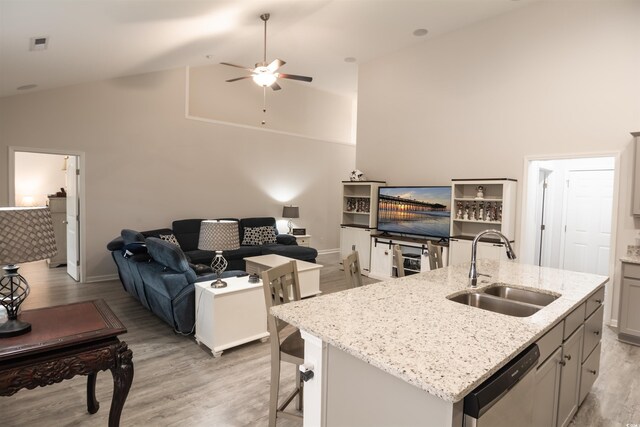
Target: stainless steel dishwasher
506,398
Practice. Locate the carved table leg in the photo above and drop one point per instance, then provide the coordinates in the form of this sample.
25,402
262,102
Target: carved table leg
122,374
92,404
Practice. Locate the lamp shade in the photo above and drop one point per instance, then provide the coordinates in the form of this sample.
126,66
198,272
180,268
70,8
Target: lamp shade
290,212
218,235
26,234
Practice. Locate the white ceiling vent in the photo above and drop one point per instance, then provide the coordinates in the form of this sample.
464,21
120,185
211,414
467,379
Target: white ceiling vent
39,43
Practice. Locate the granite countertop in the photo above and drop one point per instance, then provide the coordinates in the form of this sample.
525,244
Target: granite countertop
408,328
631,259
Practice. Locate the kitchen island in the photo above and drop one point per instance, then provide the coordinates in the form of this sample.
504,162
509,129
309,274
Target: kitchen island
400,353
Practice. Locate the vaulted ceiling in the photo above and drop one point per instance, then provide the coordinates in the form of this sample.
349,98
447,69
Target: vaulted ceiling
102,39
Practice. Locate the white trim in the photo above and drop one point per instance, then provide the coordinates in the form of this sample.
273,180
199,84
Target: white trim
328,251
613,323
188,116
609,302
81,192
101,278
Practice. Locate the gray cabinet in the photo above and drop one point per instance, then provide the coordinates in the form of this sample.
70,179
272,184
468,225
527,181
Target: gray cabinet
629,318
58,207
547,391
570,377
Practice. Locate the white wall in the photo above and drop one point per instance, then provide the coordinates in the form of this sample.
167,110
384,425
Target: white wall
556,77
146,164
37,176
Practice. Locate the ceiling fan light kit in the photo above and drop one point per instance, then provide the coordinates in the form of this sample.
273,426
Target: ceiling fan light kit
265,74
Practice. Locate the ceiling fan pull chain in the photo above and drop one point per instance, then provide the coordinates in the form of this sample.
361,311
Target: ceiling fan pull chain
264,104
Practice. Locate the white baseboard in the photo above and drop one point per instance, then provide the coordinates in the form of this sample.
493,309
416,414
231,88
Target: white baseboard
613,323
103,278
328,251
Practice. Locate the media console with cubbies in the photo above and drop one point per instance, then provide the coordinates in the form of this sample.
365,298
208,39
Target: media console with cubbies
359,218
497,202
415,255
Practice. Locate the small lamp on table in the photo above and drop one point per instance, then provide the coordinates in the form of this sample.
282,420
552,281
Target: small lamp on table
26,235
219,235
290,212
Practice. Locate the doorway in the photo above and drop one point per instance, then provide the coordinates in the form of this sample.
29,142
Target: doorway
568,218
39,177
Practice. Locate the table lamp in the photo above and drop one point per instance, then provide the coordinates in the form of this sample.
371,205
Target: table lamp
290,212
26,234
219,235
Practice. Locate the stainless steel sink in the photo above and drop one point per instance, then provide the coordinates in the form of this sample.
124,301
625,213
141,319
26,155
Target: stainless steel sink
495,304
522,295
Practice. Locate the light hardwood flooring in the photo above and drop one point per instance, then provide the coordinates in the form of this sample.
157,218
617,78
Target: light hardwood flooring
178,383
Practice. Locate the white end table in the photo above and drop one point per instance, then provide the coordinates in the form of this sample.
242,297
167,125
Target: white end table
303,240
227,317
308,272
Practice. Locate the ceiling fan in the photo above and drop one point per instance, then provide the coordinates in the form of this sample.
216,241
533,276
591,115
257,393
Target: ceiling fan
265,74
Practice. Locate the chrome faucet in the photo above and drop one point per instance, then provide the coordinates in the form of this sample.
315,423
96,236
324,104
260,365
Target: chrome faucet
473,271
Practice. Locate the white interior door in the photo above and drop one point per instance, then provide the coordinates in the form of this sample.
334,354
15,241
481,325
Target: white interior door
588,221
73,242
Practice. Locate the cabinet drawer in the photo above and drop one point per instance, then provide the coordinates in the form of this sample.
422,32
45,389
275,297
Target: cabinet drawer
592,332
573,321
594,301
550,342
631,270
590,372
302,241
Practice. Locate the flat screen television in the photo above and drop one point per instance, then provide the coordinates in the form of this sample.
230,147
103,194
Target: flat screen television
417,211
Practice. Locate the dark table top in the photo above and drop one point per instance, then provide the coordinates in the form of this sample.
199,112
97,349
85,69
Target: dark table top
61,327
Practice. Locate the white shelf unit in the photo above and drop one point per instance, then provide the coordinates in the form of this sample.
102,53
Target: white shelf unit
359,218
499,196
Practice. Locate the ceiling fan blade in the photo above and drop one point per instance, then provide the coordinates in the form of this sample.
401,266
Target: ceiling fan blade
237,66
275,86
238,78
275,64
295,77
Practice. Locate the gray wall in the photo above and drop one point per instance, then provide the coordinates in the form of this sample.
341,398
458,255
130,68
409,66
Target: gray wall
552,78
146,164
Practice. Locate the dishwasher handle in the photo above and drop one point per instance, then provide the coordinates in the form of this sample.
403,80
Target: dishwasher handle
483,397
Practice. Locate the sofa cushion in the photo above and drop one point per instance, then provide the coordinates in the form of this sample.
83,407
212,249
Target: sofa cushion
170,256
156,232
259,235
292,251
200,256
131,236
187,232
242,252
286,239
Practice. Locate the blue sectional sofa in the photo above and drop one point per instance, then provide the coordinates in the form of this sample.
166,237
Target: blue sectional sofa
161,275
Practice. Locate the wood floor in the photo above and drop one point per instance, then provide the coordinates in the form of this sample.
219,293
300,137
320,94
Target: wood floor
177,382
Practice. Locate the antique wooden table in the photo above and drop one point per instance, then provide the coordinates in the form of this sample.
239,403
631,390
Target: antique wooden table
65,341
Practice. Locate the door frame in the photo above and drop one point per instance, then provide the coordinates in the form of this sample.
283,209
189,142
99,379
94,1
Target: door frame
611,284
81,191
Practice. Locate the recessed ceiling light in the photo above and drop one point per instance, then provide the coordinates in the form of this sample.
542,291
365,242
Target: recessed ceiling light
27,87
420,32
349,59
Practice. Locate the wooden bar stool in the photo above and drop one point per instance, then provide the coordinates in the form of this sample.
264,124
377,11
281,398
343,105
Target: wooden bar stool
435,255
281,285
351,265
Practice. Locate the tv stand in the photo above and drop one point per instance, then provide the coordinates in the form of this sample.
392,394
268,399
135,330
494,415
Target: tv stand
414,251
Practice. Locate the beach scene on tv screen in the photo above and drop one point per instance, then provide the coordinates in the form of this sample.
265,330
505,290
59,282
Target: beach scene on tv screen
424,211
